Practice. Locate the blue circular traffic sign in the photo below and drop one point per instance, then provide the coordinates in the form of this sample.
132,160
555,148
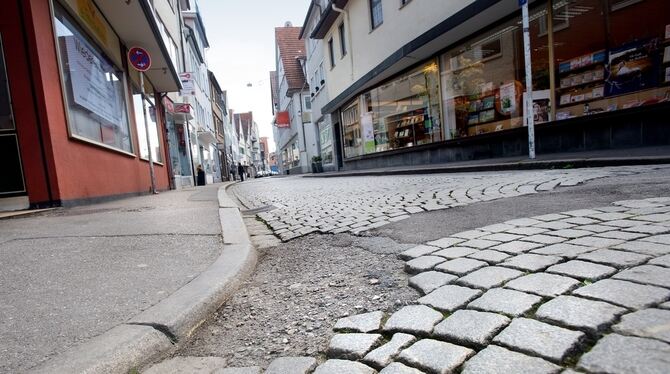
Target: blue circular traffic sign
139,58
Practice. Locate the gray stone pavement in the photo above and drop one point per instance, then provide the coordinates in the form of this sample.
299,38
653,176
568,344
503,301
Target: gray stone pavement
72,274
572,311
296,206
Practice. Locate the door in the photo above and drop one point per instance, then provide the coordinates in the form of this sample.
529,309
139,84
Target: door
12,182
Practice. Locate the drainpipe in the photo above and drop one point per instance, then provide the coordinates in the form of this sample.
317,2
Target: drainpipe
348,31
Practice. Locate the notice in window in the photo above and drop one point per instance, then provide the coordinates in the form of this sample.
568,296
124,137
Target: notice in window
368,132
93,82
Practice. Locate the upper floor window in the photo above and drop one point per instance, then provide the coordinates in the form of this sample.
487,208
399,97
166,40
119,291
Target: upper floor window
331,53
343,43
376,16
404,2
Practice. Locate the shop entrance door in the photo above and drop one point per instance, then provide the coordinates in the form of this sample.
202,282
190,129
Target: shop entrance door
12,182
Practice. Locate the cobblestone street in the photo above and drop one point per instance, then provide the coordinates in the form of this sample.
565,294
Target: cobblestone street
582,289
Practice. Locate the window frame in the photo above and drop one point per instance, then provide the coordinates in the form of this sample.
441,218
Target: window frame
331,52
61,76
147,100
343,44
403,3
371,8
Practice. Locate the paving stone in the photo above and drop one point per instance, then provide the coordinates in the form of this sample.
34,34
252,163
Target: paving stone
647,323
449,298
501,237
292,365
628,294
569,311
582,270
595,241
580,221
422,263
665,305
660,217
571,233
498,227
531,262
455,252
343,366
470,327
517,246
621,235
239,370
647,274
510,302
619,259
383,355
550,217
196,365
479,243
582,212
543,284
460,266
435,356
367,322
413,319
352,346
563,250
523,222
622,223
596,228
555,225
496,360
648,248
662,261
470,234
550,342
626,355
611,216
398,368
445,242
418,251
488,277
428,281
527,230
544,239
490,256
647,229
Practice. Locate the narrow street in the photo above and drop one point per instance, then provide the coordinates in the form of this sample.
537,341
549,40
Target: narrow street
494,273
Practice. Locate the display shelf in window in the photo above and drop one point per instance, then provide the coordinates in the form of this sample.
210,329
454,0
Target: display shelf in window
582,62
582,96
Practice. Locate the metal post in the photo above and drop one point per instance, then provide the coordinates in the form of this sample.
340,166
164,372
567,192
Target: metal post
146,127
528,105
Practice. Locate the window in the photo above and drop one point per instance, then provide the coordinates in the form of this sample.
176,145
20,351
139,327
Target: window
376,16
95,92
331,53
307,103
343,43
138,101
404,2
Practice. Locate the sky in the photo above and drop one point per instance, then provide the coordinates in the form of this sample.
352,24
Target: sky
242,50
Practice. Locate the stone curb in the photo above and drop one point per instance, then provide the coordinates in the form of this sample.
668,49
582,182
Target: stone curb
522,165
152,333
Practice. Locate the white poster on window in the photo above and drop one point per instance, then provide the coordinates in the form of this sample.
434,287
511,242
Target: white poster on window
368,132
508,98
92,82
187,84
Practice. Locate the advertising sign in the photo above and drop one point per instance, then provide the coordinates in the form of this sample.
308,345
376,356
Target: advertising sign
632,68
93,82
368,132
187,84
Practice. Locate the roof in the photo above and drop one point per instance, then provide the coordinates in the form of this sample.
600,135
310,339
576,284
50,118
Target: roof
328,17
312,4
274,90
245,120
290,47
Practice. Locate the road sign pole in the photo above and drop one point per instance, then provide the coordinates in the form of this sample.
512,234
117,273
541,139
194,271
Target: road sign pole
528,104
152,174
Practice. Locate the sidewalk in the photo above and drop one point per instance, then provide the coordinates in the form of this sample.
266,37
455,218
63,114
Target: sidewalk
609,157
73,274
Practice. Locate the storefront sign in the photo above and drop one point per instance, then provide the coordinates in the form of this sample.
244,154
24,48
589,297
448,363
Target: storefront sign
93,81
282,120
182,108
139,58
368,132
88,12
168,104
187,84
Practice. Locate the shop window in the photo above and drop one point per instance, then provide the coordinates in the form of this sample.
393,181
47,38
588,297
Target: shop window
95,94
138,101
326,142
353,144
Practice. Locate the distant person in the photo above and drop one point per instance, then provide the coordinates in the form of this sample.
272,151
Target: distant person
232,171
240,171
201,175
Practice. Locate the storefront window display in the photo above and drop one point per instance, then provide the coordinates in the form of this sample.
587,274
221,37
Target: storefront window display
612,55
138,101
326,141
94,87
401,113
483,80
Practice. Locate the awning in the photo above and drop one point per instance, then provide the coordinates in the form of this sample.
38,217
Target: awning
135,24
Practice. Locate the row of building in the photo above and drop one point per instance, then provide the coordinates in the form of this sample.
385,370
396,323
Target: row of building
379,83
73,127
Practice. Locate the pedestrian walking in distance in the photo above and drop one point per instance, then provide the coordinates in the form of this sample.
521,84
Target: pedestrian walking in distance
240,171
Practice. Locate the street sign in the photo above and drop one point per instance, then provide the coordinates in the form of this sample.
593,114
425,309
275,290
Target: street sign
139,58
523,2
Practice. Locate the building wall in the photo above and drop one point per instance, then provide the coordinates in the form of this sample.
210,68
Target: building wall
82,170
370,47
